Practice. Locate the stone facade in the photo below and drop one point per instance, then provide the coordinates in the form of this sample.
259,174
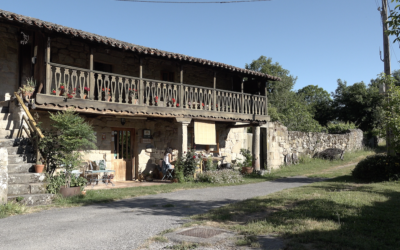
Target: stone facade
9,49
3,175
282,144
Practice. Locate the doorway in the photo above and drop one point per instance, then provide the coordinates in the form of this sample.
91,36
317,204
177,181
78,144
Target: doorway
122,149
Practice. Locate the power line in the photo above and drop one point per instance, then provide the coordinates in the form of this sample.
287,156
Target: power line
158,1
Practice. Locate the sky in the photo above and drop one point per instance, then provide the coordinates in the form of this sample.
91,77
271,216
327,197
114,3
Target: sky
317,41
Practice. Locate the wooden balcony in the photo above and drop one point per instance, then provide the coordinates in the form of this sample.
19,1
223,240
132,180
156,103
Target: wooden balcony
100,92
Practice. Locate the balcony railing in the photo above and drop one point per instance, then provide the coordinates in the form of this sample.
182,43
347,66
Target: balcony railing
80,83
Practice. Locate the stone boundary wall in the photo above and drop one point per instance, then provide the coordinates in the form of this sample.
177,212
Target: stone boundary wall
284,145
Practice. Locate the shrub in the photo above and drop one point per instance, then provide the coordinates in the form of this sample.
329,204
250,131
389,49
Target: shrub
220,176
187,163
57,181
379,167
340,127
248,158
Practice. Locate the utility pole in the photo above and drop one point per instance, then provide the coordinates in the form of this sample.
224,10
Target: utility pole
386,61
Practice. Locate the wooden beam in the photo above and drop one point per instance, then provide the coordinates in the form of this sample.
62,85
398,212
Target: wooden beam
48,67
141,85
215,92
91,77
181,90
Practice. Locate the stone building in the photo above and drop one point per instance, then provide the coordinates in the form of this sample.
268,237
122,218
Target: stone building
140,100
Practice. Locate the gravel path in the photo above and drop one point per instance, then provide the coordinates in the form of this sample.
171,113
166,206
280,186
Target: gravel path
124,224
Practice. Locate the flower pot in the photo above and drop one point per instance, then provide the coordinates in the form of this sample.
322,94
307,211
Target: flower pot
247,170
39,168
85,96
174,180
71,191
108,98
62,91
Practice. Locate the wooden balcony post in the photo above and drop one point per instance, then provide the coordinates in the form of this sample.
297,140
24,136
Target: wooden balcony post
256,147
215,92
181,90
141,85
266,99
91,76
48,68
241,97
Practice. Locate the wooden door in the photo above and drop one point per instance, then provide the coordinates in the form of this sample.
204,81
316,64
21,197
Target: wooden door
123,153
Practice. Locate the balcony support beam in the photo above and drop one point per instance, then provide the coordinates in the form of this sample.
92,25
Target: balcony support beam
241,97
141,85
256,148
181,89
266,99
215,92
182,134
91,77
48,67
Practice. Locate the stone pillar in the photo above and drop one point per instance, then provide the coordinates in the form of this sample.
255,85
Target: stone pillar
3,175
256,148
182,134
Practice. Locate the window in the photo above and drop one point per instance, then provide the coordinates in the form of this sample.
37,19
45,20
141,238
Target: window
167,76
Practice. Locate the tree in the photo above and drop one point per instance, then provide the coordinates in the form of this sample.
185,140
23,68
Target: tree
394,22
319,102
64,143
279,92
358,103
391,111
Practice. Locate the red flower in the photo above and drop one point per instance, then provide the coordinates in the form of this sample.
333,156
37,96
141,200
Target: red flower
194,157
74,89
129,89
62,87
156,97
173,100
103,89
202,104
54,91
177,104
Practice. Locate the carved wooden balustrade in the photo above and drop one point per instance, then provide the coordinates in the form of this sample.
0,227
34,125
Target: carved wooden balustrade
71,82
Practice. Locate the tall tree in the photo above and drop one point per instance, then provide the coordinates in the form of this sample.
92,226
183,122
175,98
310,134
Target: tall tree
358,103
319,101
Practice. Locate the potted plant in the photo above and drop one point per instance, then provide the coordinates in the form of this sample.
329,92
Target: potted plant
85,92
27,89
39,166
133,96
106,94
63,146
247,162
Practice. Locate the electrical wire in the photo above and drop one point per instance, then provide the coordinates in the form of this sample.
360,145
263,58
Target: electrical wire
158,1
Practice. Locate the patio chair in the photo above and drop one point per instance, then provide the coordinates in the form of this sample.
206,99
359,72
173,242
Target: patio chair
169,174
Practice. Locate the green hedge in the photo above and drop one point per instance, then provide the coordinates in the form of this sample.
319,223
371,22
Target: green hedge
379,167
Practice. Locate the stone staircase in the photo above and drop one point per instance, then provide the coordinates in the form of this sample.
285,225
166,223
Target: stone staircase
23,182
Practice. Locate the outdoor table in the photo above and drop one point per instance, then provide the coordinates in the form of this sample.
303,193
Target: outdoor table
96,179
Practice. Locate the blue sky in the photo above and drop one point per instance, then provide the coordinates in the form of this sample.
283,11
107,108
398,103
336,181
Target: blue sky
317,41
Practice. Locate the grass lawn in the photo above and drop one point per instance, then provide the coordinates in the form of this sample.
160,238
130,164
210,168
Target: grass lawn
309,167
340,213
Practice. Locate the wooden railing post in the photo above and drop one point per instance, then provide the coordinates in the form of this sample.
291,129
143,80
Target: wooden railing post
241,98
266,99
48,68
215,92
91,77
141,85
181,90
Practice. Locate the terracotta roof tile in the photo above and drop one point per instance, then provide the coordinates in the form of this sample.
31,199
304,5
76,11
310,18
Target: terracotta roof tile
124,45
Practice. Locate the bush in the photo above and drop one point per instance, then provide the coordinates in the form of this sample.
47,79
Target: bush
187,163
248,158
379,167
220,176
57,181
340,127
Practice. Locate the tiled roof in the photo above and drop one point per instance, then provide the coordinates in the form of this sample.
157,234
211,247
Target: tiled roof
124,45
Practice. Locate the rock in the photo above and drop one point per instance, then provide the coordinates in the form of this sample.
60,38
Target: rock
330,153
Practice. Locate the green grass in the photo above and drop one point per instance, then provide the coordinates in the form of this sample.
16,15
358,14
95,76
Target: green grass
11,208
340,213
313,168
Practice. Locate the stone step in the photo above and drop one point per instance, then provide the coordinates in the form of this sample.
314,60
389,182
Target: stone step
7,134
23,149
6,123
33,199
21,158
21,178
6,143
31,188
21,168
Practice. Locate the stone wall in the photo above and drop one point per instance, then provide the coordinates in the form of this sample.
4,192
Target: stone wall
282,144
164,133
3,175
9,46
